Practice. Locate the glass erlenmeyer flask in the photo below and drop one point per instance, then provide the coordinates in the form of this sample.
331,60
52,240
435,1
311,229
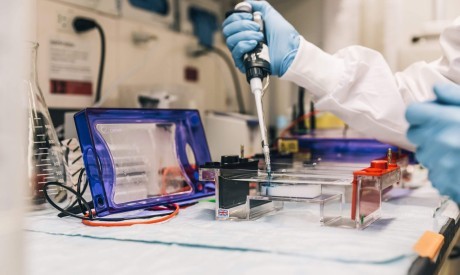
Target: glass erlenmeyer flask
46,162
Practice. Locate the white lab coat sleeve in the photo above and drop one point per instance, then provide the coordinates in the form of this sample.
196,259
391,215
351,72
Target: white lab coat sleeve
357,84
415,83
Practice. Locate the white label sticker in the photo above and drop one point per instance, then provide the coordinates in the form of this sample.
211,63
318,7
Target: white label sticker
223,213
70,67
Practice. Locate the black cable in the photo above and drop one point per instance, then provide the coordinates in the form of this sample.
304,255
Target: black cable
312,117
80,197
85,186
176,26
101,64
50,201
294,117
87,206
84,206
300,104
455,253
72,207
236,82
67,151
82,24
81,171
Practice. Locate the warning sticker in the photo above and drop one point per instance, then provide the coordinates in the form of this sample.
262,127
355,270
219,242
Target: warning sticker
70,67
288,145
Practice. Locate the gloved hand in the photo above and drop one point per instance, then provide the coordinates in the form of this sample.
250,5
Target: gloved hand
435,130
242,35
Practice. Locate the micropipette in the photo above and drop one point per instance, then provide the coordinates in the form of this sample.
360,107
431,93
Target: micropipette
257,65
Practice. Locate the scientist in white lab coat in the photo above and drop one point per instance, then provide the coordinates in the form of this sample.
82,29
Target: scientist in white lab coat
357,85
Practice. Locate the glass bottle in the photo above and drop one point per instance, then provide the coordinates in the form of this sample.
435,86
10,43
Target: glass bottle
46,162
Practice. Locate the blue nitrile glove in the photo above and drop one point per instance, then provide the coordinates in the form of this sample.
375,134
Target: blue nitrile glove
435,130
242,35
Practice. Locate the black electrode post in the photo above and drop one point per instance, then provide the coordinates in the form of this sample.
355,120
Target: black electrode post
301,128
83,24
312,118
294,117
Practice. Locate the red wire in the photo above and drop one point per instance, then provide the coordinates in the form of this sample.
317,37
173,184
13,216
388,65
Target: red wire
146,221
293,123
133,222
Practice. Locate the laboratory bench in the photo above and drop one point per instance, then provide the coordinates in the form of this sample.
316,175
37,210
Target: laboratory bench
291,241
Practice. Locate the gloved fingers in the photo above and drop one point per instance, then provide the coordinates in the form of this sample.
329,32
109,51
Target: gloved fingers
447,93
237,17
421,134
441,151
450,162
239,26
422,113
450,137
435,143
456,194
233,40
446,182
428,155
436,176
240,49
261,6
240,65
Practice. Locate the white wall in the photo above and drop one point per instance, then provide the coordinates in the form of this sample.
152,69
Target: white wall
388,26
162,61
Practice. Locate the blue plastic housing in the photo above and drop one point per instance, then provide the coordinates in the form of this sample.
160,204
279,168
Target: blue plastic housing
357,150
101,131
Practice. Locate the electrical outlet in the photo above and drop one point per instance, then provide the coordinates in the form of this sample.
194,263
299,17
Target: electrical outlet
64,20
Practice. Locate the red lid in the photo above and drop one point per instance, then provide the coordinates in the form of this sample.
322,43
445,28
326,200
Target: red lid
380,164
373,170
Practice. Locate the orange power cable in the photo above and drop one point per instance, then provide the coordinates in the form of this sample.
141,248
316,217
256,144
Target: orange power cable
293,123
133,222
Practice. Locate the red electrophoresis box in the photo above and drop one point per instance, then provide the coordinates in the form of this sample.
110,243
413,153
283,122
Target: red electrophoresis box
370,184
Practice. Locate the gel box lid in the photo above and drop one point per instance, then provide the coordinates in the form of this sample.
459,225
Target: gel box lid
139,158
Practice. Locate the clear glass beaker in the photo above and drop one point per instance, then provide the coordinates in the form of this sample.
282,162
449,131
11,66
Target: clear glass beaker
46,162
